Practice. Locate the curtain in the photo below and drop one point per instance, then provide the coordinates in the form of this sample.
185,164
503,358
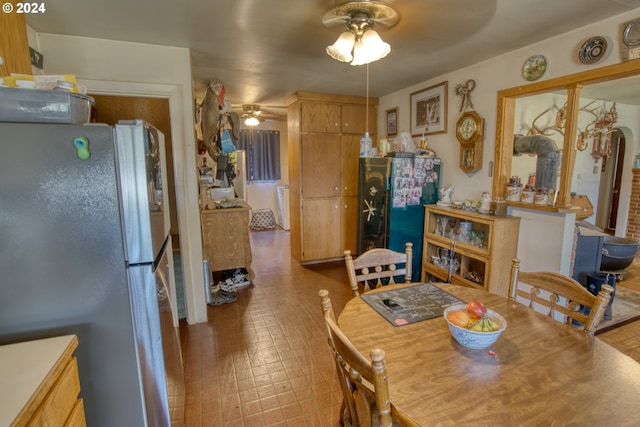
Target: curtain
263,154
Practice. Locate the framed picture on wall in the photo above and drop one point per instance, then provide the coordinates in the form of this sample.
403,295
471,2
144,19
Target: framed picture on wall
392,121
429,110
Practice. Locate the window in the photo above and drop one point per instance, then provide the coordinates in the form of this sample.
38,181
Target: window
263,154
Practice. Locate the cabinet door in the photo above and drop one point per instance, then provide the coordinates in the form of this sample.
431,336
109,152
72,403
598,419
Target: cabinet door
320,117
321,163
321,228
350,164
354,119
225,238
350,224
14,44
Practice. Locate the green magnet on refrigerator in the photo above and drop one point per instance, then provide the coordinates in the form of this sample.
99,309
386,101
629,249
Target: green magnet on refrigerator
82,148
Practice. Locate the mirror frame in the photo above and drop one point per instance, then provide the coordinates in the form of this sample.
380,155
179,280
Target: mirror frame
572,84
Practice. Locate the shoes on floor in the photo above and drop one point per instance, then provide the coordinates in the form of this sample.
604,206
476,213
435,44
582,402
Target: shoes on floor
239,278
223,293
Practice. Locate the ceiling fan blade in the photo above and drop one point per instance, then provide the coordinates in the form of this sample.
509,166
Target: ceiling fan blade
271,116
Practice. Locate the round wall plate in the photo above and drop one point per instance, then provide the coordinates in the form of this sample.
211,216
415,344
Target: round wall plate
592,50
631,33
534,67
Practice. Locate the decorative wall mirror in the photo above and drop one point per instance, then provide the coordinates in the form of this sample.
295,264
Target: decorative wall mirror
558,109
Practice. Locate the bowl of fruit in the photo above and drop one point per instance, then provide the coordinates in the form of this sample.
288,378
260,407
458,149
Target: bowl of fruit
473,325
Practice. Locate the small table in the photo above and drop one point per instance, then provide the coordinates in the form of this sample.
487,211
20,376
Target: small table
539,372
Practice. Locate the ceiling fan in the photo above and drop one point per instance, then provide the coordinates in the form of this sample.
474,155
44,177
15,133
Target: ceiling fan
253,114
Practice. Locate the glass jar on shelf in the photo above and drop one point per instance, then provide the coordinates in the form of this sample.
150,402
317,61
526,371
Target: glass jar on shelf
542,196
514,189
528,194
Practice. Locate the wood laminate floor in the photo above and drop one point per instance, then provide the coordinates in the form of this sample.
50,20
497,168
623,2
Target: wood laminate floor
264,360
626,338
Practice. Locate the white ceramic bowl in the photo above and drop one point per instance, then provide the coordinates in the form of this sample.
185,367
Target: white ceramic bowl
475,339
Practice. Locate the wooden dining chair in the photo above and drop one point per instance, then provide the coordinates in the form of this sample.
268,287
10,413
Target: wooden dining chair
374,265
559,296
363,382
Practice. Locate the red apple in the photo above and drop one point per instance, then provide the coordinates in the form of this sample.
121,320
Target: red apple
476,309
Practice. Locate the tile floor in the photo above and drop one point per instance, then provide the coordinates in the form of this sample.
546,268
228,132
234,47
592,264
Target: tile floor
264,360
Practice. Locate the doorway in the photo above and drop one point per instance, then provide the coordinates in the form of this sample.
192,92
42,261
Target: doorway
110,109
610,183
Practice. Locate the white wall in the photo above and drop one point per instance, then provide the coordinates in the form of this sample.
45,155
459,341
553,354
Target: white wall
554,231
119,67
492,76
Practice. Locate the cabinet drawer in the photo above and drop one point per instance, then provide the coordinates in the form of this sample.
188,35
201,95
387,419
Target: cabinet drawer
61,400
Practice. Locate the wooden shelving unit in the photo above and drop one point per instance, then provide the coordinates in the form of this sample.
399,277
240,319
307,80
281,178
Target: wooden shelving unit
487,257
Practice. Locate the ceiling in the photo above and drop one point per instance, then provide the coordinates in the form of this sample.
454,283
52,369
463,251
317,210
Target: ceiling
264,50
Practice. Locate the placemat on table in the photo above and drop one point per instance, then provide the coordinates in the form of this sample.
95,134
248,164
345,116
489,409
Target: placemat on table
402,306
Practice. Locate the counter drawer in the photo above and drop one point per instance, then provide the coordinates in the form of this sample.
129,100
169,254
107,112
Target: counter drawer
61,400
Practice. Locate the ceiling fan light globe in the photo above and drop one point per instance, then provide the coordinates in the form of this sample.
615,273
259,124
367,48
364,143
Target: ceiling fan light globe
341,49
372,40
371,48
251,121
360,54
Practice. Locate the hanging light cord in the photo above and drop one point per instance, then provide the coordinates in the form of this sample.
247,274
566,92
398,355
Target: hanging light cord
366,107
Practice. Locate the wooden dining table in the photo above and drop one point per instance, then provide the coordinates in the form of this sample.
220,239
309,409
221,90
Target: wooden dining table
540,372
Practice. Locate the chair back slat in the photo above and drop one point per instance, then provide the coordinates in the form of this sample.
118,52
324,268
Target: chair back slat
370,268
559,296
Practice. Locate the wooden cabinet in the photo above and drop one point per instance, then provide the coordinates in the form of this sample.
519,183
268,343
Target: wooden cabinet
349,223
225,238
14,45
321,162
324,146
350,157
321,223
320,117
40,384
482,246
354,118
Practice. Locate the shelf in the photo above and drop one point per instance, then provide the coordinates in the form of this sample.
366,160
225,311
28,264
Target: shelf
495,239
464,263
446,242
456,279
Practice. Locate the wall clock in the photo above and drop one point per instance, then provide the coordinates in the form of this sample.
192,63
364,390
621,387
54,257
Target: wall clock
469,127
469,132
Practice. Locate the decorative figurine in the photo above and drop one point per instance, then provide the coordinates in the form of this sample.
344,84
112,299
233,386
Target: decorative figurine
445,196
485,203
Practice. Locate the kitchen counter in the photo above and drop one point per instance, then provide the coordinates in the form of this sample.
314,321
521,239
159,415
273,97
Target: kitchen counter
40,383
210,207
